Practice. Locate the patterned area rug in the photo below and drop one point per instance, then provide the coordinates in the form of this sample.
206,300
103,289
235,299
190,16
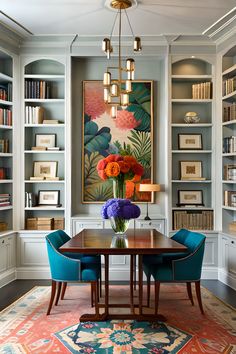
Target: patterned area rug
25,328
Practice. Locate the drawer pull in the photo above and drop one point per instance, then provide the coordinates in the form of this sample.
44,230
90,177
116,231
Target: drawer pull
3,241
150,223
232,241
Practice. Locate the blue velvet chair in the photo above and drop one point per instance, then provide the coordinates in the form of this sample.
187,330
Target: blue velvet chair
64,268
186,269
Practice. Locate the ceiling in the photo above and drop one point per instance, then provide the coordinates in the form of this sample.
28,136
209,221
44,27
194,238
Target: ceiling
94,18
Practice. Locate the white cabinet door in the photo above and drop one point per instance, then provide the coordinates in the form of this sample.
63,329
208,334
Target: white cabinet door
3,255
211,251
157,224
231,254
33,251
11,251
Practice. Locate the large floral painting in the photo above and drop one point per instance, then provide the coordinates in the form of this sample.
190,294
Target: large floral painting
130,133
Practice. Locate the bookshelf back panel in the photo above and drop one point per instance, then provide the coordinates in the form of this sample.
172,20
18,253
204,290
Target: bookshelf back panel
180,109
191,66
6,216
30,158
36,187
228,216
45,67
6,66
192,187
7,136
51,110
30,136
206,136
206,164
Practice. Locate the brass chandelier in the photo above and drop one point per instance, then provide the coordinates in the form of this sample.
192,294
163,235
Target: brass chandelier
117,90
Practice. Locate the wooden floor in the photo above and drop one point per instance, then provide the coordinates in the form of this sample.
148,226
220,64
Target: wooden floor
16,289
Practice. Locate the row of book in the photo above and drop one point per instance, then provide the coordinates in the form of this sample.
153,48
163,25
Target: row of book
45,223
229,86
201,91
229,145
5,173
38,89
4,145
30,200
229,112
5,199
230,172
34,115
202,220
6,92
5,116
230,198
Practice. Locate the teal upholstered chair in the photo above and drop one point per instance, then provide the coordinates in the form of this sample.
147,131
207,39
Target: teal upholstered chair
185,269
65,269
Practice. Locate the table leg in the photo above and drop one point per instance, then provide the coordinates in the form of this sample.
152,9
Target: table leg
106,256
140,283
135,272
132,283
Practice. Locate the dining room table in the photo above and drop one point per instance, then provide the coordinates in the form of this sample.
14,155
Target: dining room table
135,243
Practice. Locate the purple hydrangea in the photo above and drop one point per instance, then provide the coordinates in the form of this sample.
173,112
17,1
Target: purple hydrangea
121,208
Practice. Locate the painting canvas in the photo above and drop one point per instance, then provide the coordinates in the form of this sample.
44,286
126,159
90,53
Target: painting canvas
129,133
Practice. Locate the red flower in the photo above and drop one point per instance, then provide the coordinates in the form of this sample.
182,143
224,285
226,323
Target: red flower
101,164
102,174
124,166
130,159
138,169
129,191
113,158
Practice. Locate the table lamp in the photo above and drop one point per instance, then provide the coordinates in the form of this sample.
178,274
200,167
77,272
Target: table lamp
148,187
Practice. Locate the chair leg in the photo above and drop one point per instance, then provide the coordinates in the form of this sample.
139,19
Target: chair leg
198,292
157,292
100,284
53,292
64,285
92,295
189,290
148,290
98,290
58,293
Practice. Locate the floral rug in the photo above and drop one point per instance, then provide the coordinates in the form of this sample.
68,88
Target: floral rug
25,328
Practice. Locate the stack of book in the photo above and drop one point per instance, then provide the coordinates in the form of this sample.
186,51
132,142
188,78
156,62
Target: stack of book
5,116
34,115
45,223
201,91
44,178
4,145
202,220
37,89
229,145
6,92
229,86
229,112
5,173
5,200
230,172
230,198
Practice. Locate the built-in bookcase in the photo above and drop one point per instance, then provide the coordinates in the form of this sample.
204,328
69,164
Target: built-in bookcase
44,87
192,90
229,141
6,142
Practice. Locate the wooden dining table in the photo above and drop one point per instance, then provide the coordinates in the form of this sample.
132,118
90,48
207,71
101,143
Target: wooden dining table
137,242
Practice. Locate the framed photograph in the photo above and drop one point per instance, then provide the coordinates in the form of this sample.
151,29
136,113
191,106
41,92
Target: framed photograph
45,140
190,198
190,141
49,198
131,130
191,170
45,169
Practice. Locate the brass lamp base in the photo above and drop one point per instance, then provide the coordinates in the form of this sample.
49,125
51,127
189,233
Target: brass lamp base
121,4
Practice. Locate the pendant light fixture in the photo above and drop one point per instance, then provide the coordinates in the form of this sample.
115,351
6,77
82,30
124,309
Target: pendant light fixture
117,80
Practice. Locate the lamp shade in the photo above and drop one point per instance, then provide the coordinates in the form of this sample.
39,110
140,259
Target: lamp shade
148,187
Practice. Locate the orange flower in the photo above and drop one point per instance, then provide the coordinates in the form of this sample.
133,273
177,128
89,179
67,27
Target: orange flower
138,169
129,190
102,174
112,169
130,159
136,178
124,166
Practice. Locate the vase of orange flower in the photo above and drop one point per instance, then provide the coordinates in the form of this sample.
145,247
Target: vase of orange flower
120,169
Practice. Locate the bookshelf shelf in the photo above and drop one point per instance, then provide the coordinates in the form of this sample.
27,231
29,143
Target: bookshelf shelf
190,77
6,127
229,72
5,78
230,154
5,181
228,182
229,208
231,122
5,154
10,207
6,103
44,78
230,97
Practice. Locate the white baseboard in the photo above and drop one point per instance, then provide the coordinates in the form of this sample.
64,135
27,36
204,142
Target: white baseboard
210,273
7,277
33,273
227,278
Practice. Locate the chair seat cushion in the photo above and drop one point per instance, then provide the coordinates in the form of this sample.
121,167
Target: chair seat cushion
160,272
85,258
90,272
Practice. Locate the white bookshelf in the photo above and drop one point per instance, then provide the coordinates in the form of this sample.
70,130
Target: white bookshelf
6,133
52,71
228,130
186,72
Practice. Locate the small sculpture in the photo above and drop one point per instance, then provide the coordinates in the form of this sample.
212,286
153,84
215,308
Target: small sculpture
191,117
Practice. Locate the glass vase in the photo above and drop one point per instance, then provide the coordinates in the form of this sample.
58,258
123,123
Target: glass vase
119,241
119,225
119,188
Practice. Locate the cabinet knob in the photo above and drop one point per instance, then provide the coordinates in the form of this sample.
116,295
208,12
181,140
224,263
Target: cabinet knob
3,241
150,223
232,241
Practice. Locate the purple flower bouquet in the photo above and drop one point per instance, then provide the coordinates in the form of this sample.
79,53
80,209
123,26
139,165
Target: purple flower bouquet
120,211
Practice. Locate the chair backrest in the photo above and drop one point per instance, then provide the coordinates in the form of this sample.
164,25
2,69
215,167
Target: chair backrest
190,267
58,238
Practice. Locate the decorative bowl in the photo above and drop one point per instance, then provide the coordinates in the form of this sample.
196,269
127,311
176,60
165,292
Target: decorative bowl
191,117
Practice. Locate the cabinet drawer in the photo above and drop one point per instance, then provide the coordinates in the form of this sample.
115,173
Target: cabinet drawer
159,225
91,224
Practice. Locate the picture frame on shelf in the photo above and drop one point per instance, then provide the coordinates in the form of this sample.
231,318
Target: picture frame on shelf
190,141
45,140
49,197
190,198
44,169
191,170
